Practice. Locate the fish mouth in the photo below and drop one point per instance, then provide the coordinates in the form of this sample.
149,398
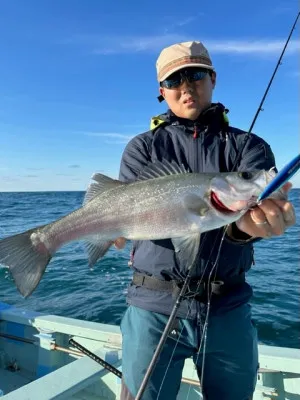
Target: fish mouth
218,205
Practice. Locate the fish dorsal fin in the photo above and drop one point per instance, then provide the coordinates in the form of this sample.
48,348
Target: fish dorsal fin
102,184
158,169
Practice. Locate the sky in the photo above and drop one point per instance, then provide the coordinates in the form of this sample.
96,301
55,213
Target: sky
78,79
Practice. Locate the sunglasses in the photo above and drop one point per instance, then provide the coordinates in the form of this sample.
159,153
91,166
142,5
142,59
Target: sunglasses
189,74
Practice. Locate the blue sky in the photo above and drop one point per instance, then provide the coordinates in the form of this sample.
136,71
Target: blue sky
78,79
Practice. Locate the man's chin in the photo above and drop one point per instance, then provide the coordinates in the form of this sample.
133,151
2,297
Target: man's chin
192,114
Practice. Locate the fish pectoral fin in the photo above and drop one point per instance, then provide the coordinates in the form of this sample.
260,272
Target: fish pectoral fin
186,249
195,204
96,250
102,184
158,169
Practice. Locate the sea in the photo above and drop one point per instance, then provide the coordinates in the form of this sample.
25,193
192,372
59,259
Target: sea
70,288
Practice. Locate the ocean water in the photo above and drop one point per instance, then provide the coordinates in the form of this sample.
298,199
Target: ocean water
69,288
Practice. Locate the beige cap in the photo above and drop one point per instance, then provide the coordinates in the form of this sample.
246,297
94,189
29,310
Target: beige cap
180,55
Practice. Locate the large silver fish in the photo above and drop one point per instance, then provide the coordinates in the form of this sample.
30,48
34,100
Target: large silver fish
166,201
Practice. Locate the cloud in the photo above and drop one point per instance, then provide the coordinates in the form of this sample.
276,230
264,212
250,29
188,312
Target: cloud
9,178
35,169
103,45
172,23
30,176
252,46
186,21
74,166
133,44
118,138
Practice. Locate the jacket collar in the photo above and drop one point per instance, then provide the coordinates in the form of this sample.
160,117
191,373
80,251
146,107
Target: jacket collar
212,117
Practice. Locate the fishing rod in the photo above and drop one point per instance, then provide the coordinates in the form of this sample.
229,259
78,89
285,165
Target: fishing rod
283,176
187,280
264,96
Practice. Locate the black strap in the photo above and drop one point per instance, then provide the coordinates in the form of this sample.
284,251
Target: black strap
218,287
150,282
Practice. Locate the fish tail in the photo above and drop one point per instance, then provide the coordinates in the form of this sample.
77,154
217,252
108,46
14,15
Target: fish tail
27,262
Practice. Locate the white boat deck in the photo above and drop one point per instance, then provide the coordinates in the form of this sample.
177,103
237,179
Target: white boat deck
47,368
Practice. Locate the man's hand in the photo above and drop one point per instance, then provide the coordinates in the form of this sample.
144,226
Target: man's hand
269,218
119,243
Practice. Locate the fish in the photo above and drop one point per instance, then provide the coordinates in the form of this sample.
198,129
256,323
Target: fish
166,201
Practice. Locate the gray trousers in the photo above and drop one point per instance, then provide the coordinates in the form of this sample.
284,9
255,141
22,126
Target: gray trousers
231,357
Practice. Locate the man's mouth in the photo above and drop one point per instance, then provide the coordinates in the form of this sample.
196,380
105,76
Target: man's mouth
218,205
189,101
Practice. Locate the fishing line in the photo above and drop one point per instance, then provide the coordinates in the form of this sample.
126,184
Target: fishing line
205,325
204,333
237,160
181,295
189,311
204,330
181,331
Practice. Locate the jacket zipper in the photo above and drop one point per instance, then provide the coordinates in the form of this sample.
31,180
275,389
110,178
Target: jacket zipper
194,149
195,134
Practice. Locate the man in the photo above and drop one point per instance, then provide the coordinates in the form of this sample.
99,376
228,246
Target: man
195,132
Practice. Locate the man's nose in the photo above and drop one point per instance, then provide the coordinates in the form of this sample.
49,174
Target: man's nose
186,86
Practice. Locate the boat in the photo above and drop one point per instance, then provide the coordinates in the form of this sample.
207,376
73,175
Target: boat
40,360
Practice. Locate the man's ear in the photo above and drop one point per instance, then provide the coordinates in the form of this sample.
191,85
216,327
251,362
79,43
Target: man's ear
161,97
162,91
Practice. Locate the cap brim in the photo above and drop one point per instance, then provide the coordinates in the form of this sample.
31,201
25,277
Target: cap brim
165,76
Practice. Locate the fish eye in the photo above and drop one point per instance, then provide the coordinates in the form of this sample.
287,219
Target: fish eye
246,175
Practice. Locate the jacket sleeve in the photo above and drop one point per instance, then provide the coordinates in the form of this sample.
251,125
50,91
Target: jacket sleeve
135,157
257,155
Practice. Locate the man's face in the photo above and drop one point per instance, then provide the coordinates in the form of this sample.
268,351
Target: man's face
188,97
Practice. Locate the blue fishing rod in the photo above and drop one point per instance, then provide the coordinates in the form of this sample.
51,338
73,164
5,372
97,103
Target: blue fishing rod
281,178
187,280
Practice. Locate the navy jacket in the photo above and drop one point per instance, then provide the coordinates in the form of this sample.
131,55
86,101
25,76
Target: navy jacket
208,144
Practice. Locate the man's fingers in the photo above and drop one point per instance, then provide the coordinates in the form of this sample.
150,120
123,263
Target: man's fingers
258,216
119,243
273,216
289,215
287,210
287,187
267,219
262,226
